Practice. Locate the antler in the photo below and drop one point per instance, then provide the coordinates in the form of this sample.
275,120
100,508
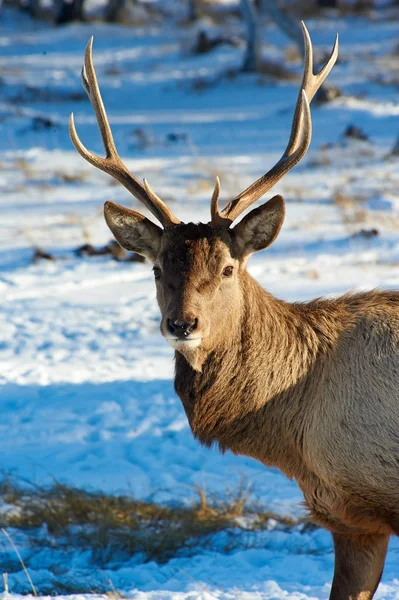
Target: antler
301,133
112,164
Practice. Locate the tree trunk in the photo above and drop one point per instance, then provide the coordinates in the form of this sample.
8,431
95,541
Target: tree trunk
192,10
327,3
287,24
33,8
69,10
395,149
114,10
252,58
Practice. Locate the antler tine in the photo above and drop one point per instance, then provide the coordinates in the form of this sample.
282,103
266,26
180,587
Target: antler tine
216,218
215,199
310,83
150,193
298,144
112,164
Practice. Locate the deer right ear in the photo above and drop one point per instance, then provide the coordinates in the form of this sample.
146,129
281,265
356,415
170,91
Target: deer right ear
260,227
133,231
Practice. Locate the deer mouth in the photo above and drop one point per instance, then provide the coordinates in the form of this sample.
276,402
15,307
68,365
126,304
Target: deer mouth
190,342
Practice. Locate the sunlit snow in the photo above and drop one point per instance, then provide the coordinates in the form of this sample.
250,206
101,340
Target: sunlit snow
87,380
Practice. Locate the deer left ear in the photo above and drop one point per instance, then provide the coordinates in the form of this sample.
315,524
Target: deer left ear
259,228
133,231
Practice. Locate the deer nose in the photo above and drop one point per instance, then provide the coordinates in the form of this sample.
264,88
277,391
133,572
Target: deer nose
182,328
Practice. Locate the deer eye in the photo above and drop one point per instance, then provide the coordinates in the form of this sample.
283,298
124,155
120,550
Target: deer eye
157,272
228,271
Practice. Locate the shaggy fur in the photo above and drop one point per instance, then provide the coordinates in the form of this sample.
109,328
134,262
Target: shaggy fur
311,388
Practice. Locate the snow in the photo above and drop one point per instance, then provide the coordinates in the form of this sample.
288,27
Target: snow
87,381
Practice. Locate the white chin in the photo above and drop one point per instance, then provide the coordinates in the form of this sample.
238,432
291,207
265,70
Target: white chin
188,344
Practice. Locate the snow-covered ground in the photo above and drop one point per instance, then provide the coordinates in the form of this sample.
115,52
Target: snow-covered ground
86,380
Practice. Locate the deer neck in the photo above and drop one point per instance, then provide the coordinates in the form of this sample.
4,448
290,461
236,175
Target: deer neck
256,380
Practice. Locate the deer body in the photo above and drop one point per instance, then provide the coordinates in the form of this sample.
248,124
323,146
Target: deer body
310,388
285,396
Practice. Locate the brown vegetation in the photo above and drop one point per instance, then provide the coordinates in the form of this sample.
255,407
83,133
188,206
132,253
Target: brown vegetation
112,526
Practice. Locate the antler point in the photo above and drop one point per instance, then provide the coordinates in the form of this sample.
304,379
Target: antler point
305,30
72,129
89,48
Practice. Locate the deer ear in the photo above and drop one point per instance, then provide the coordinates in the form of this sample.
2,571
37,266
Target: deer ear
259,228
133,231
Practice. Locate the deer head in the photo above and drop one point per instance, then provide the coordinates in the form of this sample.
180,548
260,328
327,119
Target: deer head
200,268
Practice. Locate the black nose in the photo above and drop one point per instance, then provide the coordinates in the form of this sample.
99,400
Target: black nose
180,328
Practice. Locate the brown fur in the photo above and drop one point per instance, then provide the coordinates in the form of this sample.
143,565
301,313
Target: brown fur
311,388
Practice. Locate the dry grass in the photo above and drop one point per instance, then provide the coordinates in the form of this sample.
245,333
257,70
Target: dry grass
25,167
355,212
118,527
48,179
5,579
77,177
275,70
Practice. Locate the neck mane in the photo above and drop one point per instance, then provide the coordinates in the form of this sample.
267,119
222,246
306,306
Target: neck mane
252,384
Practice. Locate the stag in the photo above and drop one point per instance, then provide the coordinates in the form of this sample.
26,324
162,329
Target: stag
310,388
